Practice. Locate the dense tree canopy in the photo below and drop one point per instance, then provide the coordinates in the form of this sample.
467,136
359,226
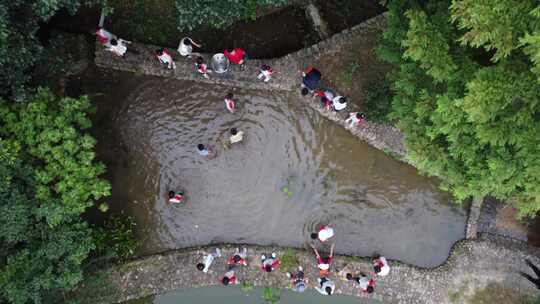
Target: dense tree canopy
48,177
218,14
467,93
19,46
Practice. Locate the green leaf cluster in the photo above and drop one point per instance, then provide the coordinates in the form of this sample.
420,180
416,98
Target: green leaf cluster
466,94
218,14
48,177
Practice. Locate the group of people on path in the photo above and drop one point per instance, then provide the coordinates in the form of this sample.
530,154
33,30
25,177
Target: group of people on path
237,56
325,285
311,78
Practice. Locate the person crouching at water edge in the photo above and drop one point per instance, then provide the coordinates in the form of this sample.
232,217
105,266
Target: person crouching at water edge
230,104
238,258
355,119
324,234
265,73
208,260
201,67
104,37
118,47
366,284
229,278
185,47
165,57
381,266
271,263
176,197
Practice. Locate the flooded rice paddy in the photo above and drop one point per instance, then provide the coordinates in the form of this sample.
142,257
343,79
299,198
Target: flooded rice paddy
294,171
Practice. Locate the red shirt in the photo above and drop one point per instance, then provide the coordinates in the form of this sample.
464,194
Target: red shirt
275,265
231,261
201,68
232,280
236,56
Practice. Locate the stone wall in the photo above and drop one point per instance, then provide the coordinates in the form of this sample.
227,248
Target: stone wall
474,263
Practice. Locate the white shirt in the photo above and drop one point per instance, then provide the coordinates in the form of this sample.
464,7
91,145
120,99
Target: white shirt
119,49
322,289
337,105
210,258
238,137
326,233
183,49
385,269
364,283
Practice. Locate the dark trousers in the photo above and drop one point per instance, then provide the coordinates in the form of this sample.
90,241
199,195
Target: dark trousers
535,281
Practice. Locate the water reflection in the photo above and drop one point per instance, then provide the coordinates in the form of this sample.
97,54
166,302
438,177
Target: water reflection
153,126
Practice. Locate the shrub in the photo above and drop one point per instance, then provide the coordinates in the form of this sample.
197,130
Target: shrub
378,101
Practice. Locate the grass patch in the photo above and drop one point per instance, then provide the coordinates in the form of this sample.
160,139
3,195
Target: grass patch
346,76
498,293
246,286
289,259
378,101
271,295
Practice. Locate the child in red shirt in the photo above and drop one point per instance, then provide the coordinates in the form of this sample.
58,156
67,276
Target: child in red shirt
236,56
229,103
201,67
270,263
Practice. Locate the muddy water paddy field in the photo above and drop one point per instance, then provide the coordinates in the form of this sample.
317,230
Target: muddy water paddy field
148,128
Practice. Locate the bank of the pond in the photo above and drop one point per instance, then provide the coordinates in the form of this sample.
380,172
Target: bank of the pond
472,265
247,294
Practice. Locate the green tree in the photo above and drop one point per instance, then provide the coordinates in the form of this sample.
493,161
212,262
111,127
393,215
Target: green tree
218,14
48,177
19,46
467,96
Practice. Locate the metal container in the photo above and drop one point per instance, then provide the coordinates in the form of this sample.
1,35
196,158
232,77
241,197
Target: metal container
219,63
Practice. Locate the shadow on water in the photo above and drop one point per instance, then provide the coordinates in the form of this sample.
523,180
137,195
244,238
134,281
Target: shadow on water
213,295
148,128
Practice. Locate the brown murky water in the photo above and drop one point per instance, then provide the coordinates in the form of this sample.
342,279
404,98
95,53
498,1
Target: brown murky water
148,129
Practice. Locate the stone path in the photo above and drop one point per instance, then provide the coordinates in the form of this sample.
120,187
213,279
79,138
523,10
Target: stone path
472,265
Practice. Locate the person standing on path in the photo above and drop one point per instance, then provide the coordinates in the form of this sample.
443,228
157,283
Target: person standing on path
339,103
298,280
236,56
265,73
271,263
326,286
185,47
201,67
323,263
311,78
535,281
208,260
